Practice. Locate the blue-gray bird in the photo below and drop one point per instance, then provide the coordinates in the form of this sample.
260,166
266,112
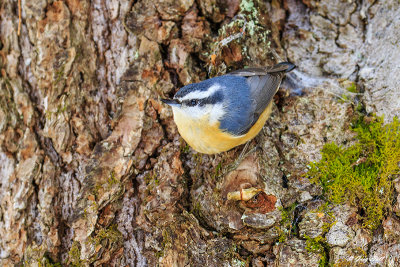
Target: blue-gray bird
218,114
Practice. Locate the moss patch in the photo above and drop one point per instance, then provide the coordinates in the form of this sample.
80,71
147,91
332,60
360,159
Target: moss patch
318,245
111,234
352,88
75,255
166,242
111,179
287,226
362,174
47,262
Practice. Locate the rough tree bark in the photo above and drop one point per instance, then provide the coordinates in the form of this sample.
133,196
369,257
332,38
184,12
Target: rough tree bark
92,168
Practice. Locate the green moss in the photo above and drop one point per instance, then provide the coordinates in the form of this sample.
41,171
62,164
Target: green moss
329,218
111,234
149,178
111,179
360,108
61,109
109,237
344,98
59,75
166,238
343,263
46,262
318,245
185,148
352,88
326,226
218,170
105,185
196,209
74,255
362,173
96,190
287,213
286,225
166,242
198,159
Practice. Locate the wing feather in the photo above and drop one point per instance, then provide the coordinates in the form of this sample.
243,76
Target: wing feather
263,84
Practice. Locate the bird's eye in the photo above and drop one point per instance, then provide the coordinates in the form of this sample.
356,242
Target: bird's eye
193,102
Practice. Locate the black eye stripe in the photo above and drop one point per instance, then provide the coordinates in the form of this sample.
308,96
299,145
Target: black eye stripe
215,98
192,102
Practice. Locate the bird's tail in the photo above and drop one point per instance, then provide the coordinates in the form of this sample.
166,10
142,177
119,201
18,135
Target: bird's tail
282,67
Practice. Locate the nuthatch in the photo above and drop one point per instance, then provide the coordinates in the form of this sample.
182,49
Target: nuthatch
221,113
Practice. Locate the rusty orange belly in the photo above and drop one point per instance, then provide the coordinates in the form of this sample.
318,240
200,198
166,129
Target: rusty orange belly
209,139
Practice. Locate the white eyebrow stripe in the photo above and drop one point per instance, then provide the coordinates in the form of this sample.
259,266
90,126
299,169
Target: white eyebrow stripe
202,94
217,113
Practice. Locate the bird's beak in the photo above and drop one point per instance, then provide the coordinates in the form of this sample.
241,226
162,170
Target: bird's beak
171,102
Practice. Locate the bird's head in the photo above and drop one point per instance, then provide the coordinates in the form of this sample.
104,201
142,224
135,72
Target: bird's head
199,100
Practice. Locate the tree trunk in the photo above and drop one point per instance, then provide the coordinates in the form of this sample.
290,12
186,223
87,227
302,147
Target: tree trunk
92,168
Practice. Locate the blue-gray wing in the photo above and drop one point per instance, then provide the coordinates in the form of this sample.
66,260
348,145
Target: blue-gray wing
263,84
